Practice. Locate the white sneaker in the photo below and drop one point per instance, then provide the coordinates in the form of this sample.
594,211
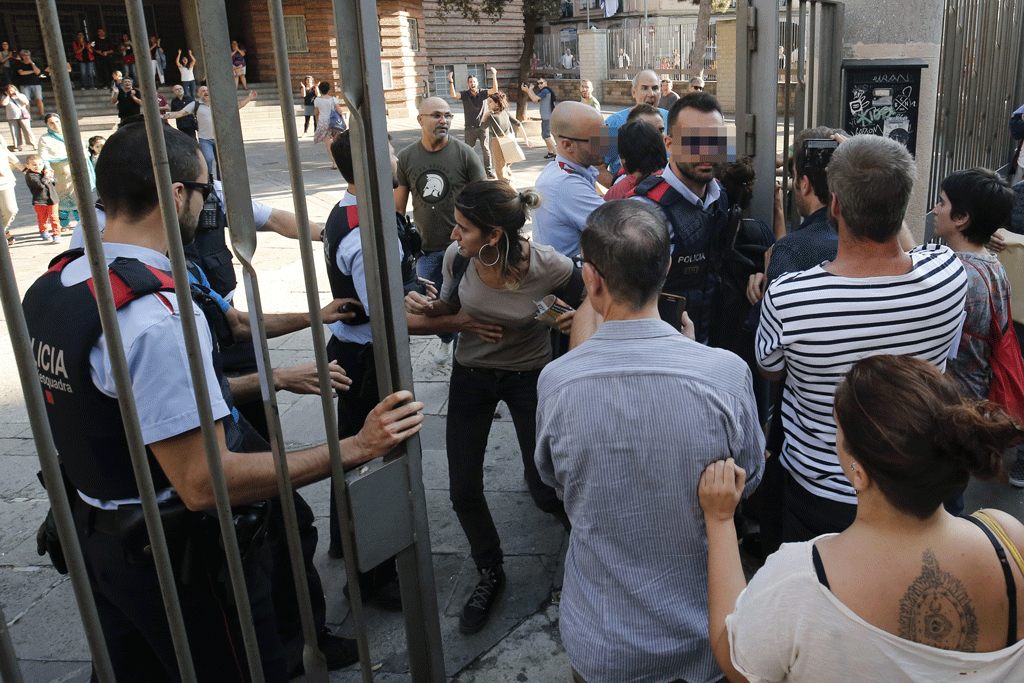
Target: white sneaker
444,353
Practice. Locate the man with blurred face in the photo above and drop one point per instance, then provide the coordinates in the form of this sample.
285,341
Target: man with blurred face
695,206
432,171
646,90
567,183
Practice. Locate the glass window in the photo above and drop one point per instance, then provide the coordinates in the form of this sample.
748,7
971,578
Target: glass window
414,34
441,72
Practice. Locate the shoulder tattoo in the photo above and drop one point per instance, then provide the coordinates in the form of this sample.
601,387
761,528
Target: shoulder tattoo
937,611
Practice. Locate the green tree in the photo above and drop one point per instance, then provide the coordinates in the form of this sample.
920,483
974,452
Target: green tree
700,38
534,11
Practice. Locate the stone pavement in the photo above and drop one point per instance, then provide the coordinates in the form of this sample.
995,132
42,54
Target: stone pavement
520,643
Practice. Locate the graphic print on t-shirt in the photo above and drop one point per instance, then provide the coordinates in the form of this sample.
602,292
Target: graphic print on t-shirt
433,186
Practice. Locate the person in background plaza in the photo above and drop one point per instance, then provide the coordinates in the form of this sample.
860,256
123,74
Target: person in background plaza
696,84
96,460
503,275
645,90
668,96
8,200
115,80
972,205
308,108
127,98
200,108
161,101
159,59
19,117
186,124
103,49
238,63
85,57
566,61
432,171
587,94
675,59
96,143
697,210
325,132
567,183
641,152
622,61
39,179
128,57
640,532
499,126
547,99
873,298
28,78
908,592
474,108
54,151
186,69
6,64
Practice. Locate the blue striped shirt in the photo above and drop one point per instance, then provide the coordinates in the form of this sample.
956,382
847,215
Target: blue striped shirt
626,424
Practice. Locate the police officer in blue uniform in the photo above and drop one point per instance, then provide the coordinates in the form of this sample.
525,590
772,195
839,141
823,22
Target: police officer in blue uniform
74,369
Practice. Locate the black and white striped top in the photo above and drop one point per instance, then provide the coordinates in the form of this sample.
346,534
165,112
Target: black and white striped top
816,325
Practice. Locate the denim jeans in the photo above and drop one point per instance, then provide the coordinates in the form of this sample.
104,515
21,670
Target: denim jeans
430,266
209,148
473,395
190,88
32,93
88,72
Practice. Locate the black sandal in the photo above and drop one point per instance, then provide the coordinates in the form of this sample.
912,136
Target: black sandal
9,236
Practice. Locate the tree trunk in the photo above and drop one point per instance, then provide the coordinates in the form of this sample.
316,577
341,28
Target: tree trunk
700,39
530,18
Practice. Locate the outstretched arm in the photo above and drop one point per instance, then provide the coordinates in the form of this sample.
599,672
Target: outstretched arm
494,81
451,86
247,100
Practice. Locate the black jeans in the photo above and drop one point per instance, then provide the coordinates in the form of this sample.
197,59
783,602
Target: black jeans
473,396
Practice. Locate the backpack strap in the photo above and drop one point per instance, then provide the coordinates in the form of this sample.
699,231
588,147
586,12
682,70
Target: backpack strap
131,279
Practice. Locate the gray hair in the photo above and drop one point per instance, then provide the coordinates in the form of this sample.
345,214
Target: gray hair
627,242
872,178
636,79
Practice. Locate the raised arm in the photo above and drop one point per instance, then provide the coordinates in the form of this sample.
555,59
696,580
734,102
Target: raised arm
528,89
247,100
494,81
451,86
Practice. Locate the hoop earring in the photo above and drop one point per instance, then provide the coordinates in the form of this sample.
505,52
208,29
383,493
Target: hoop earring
497,255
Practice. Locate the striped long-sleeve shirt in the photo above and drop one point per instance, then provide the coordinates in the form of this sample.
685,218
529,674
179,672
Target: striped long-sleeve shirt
816,325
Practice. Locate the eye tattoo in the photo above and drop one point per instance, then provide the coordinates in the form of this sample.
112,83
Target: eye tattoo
937,611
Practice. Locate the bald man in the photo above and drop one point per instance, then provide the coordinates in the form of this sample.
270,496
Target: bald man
433,170
567,183
646,89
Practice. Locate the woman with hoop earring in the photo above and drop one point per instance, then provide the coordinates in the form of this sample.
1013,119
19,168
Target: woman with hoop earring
503,275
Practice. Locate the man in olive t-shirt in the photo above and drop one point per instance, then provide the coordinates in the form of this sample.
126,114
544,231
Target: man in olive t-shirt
433,171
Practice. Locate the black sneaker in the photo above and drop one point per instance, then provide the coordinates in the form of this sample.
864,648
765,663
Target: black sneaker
481,602
549,155
1017,472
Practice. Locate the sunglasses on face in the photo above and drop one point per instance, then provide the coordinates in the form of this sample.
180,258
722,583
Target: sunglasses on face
205,188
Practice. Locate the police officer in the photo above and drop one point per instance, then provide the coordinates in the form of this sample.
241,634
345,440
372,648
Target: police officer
75,371
697,209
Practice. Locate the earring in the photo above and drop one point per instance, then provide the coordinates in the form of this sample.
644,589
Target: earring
497,255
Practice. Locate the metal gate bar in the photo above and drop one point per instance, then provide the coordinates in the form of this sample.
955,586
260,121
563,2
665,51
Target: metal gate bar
359,57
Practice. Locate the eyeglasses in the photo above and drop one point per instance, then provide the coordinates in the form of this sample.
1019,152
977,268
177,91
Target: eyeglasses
566,137
205,188
579,261
438,116
698,87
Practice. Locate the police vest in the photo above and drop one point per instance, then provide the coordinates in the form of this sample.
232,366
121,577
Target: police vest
697,249
86,423
342,221
210,248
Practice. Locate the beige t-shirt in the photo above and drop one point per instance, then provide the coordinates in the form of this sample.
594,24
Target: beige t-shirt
525,344
786,626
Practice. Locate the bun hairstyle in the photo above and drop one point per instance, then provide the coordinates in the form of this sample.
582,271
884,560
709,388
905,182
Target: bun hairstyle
493,204
917,438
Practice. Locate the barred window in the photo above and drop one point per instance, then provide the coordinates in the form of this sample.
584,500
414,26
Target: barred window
414,34
295,33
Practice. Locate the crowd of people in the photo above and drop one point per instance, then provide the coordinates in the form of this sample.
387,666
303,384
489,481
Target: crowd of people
830,386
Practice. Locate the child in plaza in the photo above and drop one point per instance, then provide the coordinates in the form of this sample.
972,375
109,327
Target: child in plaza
44,197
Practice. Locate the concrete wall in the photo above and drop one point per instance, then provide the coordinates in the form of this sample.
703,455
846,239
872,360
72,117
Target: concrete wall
874,32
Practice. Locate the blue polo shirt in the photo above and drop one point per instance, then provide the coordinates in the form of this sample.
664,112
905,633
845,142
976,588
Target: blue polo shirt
569,197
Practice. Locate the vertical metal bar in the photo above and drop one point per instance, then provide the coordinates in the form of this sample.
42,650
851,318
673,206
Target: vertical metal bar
9,669
161,167
231,155
319,342
359,57
76,155
809,113
28,374
763,82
